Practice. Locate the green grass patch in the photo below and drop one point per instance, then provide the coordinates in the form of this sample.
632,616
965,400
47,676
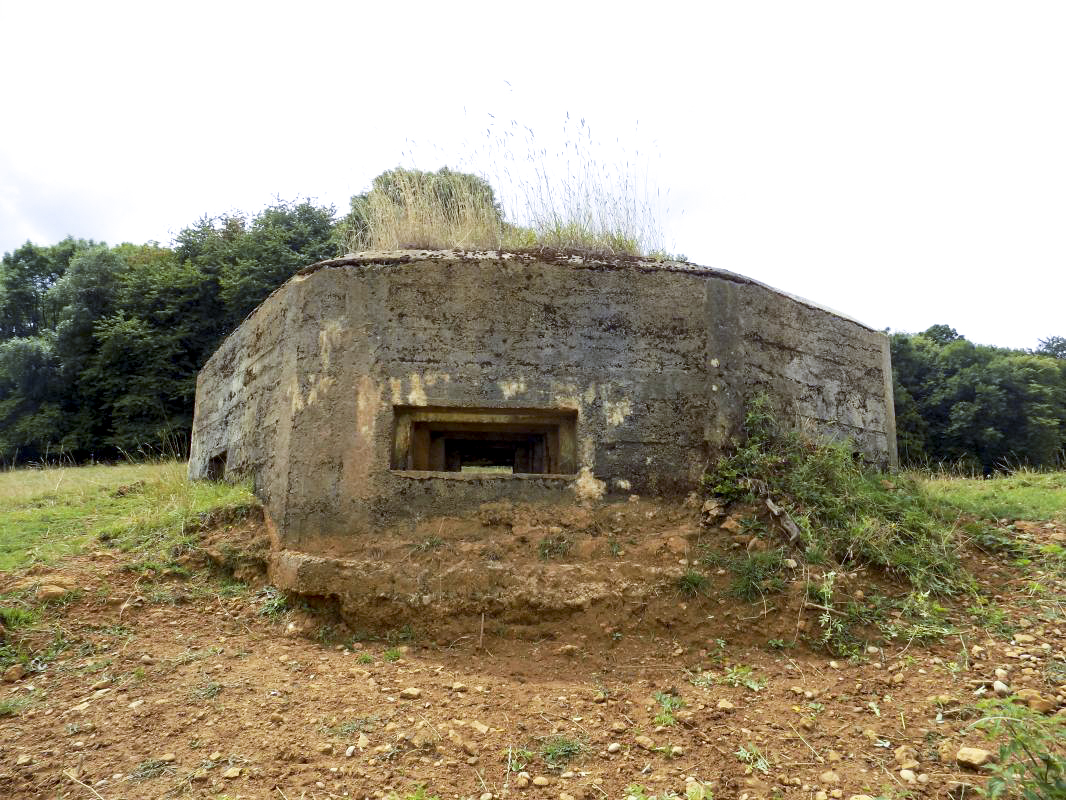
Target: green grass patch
12,706
554,547
1028,495
757,574
14,617
692,583
151,509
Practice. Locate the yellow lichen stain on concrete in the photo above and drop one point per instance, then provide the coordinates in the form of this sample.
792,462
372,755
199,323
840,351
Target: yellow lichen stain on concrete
368,400
319,385
567,395
615,412
296,395
417,395
359,453
328,337
418,383
587,451
511,388
588,487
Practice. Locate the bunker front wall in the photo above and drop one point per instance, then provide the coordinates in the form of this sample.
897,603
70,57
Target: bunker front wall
654,362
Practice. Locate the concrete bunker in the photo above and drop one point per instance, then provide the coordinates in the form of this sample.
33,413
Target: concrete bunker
381,389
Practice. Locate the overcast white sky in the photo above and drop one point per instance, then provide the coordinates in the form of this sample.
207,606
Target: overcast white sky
901,162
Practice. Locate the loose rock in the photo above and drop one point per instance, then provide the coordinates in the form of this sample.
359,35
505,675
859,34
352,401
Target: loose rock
1036,701
906,757
46,593
973,757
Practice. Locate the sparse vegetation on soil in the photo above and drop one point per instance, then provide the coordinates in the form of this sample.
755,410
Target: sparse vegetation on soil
140,669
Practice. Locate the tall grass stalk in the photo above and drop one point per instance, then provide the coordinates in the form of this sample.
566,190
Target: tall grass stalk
563,197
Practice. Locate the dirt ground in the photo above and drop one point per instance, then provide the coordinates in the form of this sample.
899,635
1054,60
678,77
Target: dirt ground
171,685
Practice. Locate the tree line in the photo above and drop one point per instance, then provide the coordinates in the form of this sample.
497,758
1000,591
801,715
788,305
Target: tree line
100,345
978,407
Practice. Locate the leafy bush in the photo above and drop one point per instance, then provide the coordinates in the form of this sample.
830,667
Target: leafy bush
1032,756
842,509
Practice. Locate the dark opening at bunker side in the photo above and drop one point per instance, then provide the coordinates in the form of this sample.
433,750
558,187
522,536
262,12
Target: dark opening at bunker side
495,440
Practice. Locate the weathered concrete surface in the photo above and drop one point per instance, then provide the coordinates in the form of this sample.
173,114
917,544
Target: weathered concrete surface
655,359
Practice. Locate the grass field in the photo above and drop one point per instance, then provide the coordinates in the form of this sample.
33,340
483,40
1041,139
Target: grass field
46,514
1021,495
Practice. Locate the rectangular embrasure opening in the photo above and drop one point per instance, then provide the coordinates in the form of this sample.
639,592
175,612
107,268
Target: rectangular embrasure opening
487,440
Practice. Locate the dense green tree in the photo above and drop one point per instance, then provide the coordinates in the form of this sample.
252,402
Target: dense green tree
1054,346
281,240
990,407
30,387
99,346
26,278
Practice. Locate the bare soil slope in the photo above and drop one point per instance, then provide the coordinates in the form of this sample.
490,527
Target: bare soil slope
166,685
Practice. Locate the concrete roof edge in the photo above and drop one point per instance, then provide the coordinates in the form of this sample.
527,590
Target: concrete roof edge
584,261
587,261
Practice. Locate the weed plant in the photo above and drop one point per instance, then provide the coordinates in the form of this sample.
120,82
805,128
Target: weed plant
1032,753
692,583
668,704
844,511
273,603
743,676
554,547
751,756
558,751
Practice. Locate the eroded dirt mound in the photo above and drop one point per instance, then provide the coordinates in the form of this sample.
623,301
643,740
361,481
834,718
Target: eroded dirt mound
524,571
153,682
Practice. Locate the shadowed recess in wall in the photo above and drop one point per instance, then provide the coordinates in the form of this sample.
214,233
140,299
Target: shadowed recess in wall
531,441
